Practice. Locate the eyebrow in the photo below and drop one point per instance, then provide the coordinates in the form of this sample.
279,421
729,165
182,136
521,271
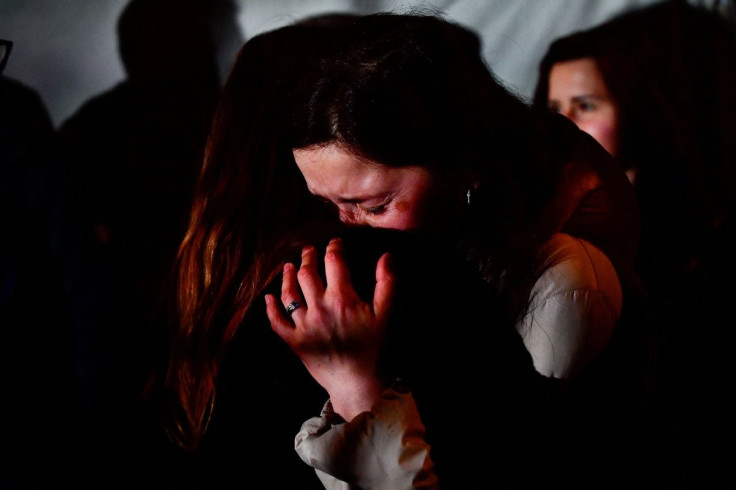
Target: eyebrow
579,98
344,200
362,198
352,200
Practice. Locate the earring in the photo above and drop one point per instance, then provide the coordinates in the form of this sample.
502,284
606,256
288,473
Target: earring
467,197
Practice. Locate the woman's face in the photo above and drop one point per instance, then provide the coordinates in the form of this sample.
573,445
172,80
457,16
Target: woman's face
365,192
578,92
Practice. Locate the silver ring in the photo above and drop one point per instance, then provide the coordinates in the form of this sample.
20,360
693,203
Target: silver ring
291,307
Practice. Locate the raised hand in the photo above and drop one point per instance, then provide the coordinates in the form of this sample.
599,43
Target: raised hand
337,335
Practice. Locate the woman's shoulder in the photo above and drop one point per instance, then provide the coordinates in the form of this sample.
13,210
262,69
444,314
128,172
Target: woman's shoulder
573,306
569,263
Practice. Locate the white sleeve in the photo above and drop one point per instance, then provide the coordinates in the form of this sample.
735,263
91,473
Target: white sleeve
574,307
383,449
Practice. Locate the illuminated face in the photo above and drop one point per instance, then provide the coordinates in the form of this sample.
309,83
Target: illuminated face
578,92
366,192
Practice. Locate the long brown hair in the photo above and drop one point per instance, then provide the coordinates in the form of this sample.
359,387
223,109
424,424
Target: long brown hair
251,212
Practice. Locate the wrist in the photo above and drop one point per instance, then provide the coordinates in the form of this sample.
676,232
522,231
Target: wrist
355,397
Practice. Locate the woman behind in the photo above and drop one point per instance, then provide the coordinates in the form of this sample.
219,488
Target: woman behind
655,88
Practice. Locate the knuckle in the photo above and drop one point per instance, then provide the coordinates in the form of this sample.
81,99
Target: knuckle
319,317
338,302
344,302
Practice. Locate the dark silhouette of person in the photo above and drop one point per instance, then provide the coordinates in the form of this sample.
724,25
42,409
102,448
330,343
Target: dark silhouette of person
131,156
37,363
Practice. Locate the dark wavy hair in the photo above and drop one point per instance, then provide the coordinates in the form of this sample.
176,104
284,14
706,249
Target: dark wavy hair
396,89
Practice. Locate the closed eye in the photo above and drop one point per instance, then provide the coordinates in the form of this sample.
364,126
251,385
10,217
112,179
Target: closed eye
376,209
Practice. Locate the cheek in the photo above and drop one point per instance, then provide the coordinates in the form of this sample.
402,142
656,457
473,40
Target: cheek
418,210
604,131
411,208
403,216
403,206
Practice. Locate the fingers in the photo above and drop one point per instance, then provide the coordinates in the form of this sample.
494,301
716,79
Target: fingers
308,276
279,324
336,271
306,287
384,291
290,293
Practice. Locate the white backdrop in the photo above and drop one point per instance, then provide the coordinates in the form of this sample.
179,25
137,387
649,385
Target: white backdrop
67,49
